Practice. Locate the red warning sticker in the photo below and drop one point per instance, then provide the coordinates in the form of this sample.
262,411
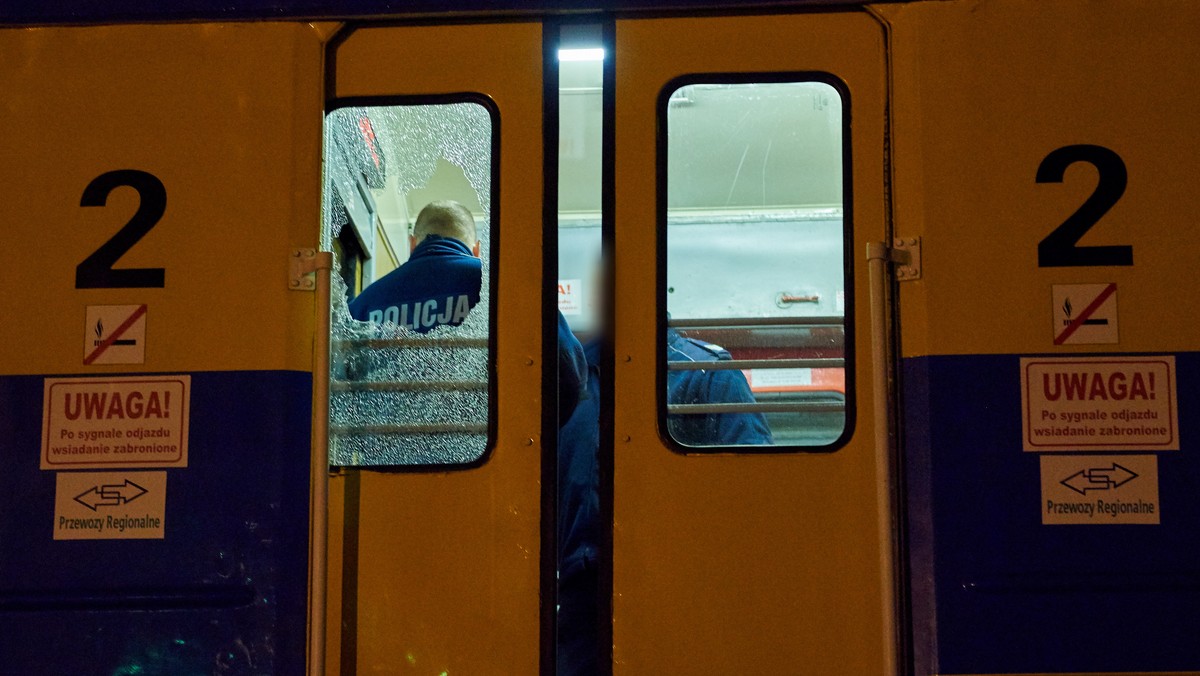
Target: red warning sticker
1099,403
133,421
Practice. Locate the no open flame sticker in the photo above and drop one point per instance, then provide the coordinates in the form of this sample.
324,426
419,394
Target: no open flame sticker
1099,403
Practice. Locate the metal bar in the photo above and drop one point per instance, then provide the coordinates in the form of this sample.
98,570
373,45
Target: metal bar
878,255
725,217
741,364
788,298
412,428
761,407
319,467
748,322
408,386
377,343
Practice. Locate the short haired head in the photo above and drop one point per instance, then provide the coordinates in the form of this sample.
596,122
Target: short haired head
446,218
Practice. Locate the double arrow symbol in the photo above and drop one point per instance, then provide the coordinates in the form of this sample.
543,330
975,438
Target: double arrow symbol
112,495
1099,479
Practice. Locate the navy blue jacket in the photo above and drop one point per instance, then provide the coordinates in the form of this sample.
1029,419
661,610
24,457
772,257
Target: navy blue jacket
438,284
579,439
578,477
579,520
579,649
710,387
573,376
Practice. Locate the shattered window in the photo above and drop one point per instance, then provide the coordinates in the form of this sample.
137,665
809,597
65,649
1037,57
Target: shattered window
407,210
756,295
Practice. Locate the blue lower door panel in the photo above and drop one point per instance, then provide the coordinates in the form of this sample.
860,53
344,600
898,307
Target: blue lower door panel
223,592
996,592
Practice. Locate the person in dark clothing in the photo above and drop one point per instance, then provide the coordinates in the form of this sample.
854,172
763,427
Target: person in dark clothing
579,652
579,520
710,386
574,373
439,283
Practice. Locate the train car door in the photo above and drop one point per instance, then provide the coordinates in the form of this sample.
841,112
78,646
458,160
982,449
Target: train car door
436,437
155,379
1046,155
751,529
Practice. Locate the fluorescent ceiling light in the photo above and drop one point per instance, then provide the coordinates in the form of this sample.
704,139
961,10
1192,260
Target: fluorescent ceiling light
595,54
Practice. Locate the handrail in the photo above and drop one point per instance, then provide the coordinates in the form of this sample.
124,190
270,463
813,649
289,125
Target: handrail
412,428
722,322
441,341
878,259
741,364
407,386
760,407
322,265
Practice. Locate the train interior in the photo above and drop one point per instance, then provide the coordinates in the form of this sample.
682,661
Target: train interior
756,266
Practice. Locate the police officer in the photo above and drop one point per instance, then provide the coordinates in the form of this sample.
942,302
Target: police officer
710,386
439,283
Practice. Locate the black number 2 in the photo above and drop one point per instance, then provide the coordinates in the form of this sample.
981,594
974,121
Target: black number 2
96,271
1059,248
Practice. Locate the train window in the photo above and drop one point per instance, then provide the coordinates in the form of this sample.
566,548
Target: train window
408,211
754,219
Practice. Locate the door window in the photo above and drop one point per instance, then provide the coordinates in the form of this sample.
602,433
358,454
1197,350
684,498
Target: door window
409,213
755,221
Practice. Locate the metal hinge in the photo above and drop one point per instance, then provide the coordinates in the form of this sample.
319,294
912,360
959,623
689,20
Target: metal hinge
303,265
905,254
